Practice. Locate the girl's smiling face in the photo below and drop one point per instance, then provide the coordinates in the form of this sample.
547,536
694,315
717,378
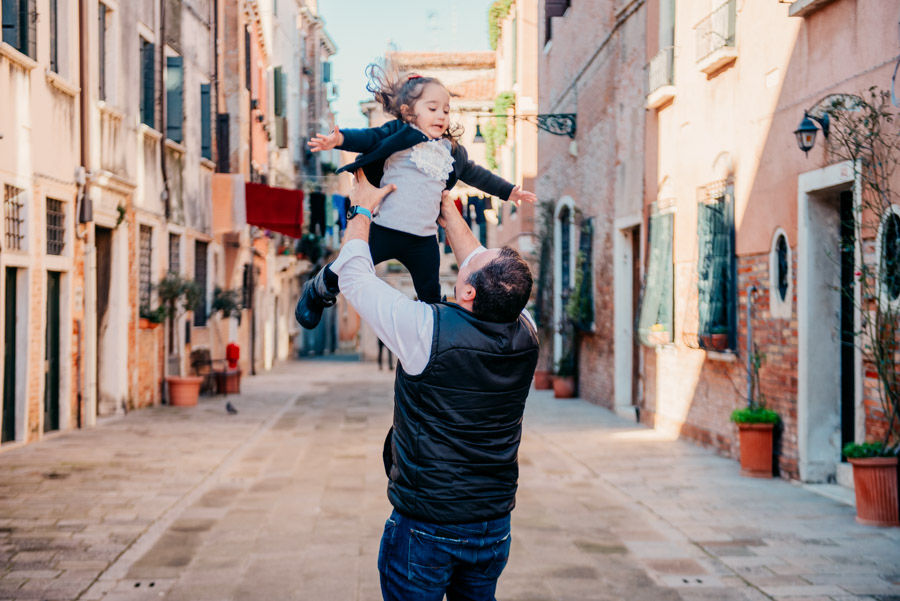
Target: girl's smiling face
431,112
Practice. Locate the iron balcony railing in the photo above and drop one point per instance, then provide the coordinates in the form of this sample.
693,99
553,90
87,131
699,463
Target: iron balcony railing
661,70
716,30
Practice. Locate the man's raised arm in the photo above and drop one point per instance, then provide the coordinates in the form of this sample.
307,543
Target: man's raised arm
460,237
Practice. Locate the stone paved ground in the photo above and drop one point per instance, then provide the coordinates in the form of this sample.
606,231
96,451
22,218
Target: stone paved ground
286,501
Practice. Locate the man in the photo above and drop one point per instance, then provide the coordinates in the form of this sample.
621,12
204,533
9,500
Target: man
464,372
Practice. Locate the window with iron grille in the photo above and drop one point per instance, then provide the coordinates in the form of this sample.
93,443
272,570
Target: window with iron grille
145,282
200,315
14,217
174,253
56,227
716,274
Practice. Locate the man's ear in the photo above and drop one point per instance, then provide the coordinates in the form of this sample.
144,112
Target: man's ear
468,293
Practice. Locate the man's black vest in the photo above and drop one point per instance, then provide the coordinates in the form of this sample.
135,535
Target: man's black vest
453,454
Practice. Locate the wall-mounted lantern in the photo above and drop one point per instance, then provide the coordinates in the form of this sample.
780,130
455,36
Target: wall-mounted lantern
806,131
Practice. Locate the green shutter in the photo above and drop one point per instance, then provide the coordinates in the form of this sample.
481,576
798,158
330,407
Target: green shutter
279,92
175,98
326,72
54,36
657,300
10,23
148,84
205,116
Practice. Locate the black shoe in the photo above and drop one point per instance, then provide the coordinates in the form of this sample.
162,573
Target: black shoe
316,296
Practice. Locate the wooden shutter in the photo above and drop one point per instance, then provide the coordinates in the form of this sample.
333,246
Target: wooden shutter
101,49
223,164
205,116
174,98
31,17
326,72
279,91
148,84
54,37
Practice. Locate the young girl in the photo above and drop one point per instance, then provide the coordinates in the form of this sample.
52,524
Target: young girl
419,153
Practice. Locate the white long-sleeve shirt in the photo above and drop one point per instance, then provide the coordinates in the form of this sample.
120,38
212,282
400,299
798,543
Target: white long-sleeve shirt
405,326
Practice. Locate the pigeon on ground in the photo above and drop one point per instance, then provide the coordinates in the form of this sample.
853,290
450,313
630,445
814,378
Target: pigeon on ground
230,408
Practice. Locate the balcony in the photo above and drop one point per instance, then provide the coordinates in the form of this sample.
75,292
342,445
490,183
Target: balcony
661,78
112,155
715,38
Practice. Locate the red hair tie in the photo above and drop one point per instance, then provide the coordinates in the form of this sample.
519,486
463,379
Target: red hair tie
414,77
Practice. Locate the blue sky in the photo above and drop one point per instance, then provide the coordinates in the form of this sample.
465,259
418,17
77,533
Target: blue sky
362,30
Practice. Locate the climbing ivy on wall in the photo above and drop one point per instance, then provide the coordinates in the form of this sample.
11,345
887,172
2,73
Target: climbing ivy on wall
495,130
496,13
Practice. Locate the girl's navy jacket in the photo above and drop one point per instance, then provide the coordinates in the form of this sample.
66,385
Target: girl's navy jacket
376,144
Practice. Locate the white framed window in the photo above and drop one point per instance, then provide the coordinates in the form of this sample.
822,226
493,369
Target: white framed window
781,276
887,251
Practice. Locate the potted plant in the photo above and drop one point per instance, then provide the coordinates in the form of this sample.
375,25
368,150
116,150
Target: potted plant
716,339
178,295
226,302
564,379
150,319
874,482
756,427
865,134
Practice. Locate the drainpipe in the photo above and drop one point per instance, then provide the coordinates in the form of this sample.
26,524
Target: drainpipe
751,290
88,400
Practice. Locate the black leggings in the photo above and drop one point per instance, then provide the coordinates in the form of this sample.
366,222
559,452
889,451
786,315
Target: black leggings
419,254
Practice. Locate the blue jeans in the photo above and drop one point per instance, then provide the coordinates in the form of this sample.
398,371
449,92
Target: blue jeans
420,561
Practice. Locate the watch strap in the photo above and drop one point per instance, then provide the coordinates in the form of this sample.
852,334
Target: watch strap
358,210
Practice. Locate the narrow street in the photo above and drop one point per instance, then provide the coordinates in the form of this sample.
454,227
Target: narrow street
286,500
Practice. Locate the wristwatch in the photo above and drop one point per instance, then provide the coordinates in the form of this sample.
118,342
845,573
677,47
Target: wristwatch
358,210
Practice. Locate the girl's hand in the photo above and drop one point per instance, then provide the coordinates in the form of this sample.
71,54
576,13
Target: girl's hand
332,140
518,195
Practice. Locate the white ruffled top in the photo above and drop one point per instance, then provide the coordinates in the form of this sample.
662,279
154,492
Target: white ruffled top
433,158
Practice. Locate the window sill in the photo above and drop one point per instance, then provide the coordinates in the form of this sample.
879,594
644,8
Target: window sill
726,356
110,110
660,96
60,83
175,146
801,8
150,132
22,60
717,59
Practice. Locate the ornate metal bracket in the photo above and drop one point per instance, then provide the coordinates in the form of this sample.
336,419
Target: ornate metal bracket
558,124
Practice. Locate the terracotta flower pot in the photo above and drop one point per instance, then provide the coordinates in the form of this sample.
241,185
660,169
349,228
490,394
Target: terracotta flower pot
543,379
875,483
756,449
183,390
563,387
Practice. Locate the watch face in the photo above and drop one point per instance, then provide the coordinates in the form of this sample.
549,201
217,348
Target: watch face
351,212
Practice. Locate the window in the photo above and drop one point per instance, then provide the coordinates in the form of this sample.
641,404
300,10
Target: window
205,122
54,37
278,84
174,253
781,286
56,227
14,217
101,47
148,84
223,164
889,242
656,323
145,282
553,8
247,57
20,25
175,98
565,246
716,269
200,315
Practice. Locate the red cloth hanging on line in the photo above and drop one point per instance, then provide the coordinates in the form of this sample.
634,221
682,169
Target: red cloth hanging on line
276,209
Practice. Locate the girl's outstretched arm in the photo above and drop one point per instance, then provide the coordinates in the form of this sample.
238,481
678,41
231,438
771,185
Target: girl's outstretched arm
322,143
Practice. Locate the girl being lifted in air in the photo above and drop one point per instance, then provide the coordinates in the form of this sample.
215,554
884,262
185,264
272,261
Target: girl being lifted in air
419,154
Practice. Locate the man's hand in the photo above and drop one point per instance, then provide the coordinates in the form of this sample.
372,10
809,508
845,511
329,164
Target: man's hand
447,205
366,195
518,195
321,143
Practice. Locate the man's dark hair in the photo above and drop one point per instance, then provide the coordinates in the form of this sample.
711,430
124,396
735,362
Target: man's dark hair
502,287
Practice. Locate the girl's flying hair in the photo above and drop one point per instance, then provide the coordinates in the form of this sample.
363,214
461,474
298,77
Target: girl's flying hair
393,90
